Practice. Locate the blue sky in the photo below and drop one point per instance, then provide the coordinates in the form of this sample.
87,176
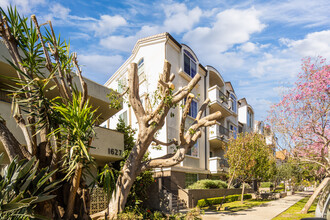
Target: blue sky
257,45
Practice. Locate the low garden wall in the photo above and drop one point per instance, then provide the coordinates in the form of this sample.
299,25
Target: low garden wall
191,196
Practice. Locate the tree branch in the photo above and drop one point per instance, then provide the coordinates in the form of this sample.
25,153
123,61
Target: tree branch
82,81
134,97
180,94
158,142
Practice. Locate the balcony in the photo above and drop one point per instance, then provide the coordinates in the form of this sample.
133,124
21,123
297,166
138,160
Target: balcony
108,145
218,165
218,132
219,101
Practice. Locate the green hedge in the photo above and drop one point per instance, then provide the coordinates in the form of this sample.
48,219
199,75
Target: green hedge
218,200
266,184
208,184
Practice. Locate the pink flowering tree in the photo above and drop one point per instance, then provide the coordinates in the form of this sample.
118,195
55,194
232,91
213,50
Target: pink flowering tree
301,119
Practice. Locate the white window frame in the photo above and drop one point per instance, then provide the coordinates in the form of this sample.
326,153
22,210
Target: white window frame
233,102
192,58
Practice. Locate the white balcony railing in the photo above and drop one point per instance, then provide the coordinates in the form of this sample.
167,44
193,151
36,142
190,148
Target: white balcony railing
216,95
218,131
218,165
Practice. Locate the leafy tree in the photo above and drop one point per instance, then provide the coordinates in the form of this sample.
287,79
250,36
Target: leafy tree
301,118
57,130
249,158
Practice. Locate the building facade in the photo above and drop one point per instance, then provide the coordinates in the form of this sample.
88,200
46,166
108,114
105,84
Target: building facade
206,158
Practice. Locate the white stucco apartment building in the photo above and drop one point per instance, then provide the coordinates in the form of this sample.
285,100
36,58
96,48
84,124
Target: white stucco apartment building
206,158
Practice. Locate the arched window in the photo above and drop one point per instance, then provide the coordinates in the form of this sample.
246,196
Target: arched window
189,63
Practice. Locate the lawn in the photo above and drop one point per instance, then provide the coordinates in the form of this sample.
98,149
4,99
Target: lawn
236,206
293,212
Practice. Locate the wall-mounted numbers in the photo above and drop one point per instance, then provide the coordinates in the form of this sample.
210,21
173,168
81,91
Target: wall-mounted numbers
113,151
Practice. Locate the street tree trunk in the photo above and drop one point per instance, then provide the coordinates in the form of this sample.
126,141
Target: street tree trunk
243,192
315,194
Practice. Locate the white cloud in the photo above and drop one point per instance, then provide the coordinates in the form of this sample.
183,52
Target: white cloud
60,16
108,24
179,19
249,47
231,27
99,67
297,12
120,43
280,90
275,67
314,44
23,6
59,11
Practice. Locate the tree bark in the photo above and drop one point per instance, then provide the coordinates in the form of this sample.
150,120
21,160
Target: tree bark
315,194
11,145
73,191
243,192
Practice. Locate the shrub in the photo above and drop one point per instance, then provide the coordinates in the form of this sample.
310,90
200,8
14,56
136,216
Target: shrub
22,186
219,200
208,184
266,184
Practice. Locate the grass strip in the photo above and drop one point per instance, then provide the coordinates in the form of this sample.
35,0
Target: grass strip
293,212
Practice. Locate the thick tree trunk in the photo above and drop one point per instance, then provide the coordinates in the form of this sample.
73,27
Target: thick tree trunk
11,145
315,194
73,191
242,199
119,197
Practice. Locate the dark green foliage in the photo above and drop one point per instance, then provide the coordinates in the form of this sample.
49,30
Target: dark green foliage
219,200
22,186
76,123
208,184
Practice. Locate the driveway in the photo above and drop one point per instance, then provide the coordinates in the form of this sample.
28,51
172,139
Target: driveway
266,211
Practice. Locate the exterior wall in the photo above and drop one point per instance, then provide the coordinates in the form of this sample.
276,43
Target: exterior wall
242,114
5,113
191,196
153,55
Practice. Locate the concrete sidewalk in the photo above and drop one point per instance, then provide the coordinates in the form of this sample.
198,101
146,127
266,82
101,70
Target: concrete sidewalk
266,211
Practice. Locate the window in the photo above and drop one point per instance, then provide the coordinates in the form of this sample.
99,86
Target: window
190,179
123,116
121,84
193,151
141,73
193,109
141,62
233,103
249,118
233,129
189,63
240,129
